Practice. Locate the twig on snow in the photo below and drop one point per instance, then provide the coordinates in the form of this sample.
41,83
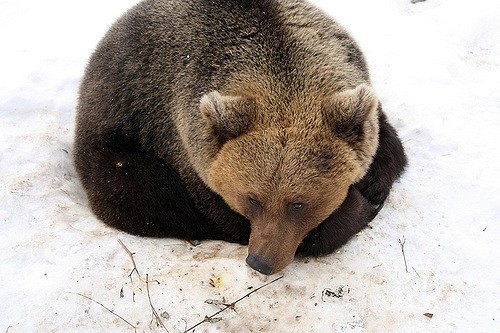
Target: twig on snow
402,243
230,305
131,255
155,314
109,310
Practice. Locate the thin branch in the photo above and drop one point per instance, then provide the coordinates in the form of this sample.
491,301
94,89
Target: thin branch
231,305
109,310
156,316
402,243
131,255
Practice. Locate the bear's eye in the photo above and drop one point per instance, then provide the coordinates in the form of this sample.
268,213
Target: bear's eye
296,206
254,202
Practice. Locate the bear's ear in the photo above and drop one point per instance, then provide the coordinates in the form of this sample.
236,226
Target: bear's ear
347,112
228,116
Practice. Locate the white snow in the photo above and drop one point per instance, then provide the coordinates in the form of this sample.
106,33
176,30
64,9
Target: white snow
435,66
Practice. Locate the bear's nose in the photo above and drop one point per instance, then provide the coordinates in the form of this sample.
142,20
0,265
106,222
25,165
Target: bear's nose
259,265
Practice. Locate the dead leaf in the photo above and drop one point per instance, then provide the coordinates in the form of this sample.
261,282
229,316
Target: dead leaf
216,282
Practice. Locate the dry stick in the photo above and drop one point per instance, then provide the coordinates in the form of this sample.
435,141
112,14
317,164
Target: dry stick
230,305
415,271
111,311
155,313
402,243
131,255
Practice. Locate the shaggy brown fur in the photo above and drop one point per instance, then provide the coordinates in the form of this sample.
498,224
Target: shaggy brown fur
247,121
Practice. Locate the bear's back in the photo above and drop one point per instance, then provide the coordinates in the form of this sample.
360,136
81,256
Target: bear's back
149,72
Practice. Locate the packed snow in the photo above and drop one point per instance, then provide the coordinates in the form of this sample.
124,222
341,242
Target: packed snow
435,66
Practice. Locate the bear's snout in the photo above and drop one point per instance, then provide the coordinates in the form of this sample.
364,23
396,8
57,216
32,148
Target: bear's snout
272,245
260,266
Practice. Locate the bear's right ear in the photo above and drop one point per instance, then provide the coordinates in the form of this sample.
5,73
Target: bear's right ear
228,116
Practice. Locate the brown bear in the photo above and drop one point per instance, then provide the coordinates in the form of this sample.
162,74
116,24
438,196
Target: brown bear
247,121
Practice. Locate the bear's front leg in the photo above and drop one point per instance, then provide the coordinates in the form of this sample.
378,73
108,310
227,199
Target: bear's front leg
350,218
388,164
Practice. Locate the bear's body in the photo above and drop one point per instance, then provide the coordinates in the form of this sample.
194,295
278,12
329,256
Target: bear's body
234,120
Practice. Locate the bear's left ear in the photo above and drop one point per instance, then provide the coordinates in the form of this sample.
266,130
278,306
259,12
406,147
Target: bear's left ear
229,116
349,111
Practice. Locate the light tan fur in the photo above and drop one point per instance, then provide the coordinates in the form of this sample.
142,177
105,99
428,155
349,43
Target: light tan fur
297,158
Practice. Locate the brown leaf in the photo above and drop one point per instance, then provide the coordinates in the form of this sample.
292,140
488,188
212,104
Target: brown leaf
216,282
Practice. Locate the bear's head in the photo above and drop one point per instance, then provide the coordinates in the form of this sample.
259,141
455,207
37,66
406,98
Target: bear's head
290,168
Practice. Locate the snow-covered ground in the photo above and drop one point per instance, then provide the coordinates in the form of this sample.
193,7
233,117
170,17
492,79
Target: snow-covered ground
435,66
